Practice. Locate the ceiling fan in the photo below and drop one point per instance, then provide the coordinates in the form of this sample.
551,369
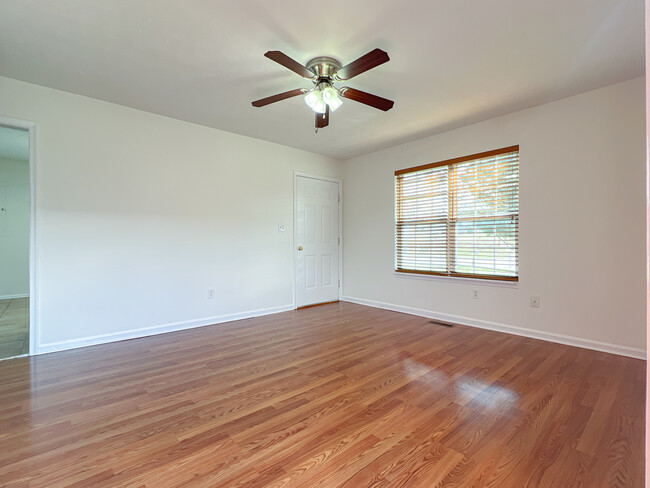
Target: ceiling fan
324,71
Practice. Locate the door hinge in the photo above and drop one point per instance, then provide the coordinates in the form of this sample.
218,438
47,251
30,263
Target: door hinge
339,198
339,283
339,241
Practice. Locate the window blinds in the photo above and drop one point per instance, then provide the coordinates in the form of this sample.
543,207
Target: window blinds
460,217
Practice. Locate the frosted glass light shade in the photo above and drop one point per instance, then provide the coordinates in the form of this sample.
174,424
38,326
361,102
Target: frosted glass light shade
314,100
331,97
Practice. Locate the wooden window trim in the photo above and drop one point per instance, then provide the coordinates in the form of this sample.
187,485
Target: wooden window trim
459,275
485,154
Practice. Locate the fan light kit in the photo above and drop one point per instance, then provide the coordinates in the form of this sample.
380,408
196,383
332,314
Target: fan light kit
324,71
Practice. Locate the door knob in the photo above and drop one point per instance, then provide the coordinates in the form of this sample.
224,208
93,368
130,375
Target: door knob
299,248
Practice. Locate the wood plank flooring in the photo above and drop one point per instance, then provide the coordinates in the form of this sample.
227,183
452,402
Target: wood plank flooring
335,396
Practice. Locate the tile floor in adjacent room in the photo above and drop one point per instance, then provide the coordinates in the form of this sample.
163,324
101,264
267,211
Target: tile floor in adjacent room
14,327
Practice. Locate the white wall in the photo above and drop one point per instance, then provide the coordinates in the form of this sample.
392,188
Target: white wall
582,239
14,231
139,214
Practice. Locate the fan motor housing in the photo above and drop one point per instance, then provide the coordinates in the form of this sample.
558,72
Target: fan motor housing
324,66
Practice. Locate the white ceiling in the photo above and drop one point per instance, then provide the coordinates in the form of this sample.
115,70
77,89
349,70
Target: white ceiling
14,143
453,62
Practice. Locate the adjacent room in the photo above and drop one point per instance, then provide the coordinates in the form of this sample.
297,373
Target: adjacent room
14,242
352,244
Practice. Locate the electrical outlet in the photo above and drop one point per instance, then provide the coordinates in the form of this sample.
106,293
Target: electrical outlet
475,294
211,293
281,228
534,302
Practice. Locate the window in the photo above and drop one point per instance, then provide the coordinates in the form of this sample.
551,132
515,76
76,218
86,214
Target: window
460,217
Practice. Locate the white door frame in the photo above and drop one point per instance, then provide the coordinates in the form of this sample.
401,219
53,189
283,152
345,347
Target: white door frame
296,174
34,323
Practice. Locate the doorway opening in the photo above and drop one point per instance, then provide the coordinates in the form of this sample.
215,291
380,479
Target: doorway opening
15,224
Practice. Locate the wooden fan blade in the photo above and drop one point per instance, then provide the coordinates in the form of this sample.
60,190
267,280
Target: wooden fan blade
367,98
281,58
368,61
278,97
323,120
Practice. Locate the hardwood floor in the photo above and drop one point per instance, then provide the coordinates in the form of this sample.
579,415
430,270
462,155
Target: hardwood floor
338,395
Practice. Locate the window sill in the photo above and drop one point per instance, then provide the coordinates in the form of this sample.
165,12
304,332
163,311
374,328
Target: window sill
457,279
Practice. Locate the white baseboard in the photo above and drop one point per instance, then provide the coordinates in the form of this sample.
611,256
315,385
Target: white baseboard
11,297
509,329
158,329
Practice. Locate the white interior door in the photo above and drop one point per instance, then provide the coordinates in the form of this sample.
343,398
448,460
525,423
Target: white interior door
316,241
